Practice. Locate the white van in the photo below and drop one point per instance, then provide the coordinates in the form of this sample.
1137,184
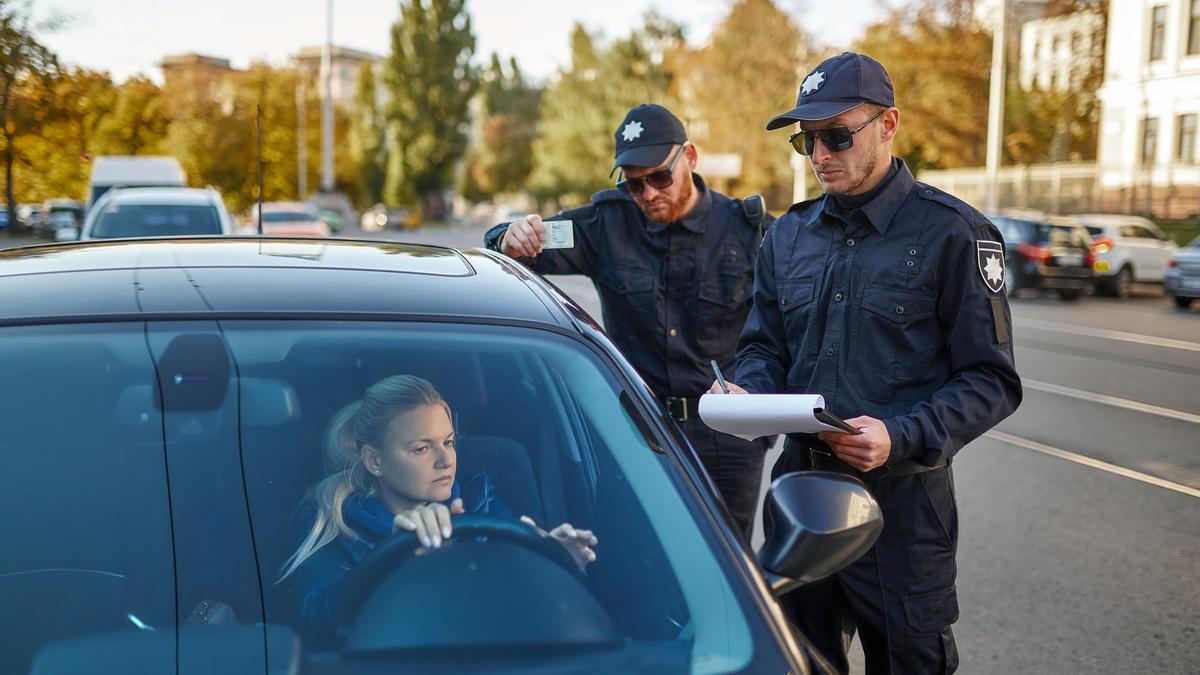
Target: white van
132,171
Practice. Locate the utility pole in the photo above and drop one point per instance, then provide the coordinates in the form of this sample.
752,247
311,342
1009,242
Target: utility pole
996,108
327,103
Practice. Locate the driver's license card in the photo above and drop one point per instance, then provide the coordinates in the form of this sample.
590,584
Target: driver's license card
559,234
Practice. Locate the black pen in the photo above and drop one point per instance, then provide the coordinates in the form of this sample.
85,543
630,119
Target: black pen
720,377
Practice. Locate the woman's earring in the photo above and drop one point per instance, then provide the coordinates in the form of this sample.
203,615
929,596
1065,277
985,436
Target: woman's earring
378,472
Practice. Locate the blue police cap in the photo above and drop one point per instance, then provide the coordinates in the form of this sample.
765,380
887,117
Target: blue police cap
646,136
840,83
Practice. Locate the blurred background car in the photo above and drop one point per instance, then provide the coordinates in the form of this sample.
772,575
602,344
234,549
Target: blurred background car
286,219
1127,250
122,171
379,218
1041,254
3,216
157,212
332,218
28,216
60,219
1182,278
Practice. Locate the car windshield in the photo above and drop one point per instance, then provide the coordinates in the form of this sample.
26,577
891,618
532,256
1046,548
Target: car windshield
244,422
155,220
287,216
1070,236
1095,230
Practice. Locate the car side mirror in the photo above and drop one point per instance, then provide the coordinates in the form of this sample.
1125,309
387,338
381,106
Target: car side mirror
817,523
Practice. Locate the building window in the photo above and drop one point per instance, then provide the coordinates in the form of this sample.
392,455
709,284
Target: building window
1185,152
1158,32
1194,29
1149,139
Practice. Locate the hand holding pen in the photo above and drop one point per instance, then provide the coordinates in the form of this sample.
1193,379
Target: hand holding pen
720,386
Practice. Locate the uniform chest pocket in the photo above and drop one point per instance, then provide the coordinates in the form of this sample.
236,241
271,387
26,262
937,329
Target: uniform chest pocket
626,278
627,290
795,299
897,338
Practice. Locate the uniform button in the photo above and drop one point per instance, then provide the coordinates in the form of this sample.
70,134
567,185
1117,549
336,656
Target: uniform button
829,351
838,297
899,309
929,193
849,242
674,332
910,263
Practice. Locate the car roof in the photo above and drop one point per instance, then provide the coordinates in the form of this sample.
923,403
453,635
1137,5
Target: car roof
227,276
161,195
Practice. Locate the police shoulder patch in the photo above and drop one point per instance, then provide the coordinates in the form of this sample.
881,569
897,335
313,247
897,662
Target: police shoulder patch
990,256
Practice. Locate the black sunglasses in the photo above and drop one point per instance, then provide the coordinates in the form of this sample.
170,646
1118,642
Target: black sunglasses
835,139
659,180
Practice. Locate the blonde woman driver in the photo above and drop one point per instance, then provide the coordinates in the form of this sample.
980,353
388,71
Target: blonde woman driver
396,470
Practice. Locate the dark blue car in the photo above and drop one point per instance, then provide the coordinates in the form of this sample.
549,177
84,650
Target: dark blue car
167,405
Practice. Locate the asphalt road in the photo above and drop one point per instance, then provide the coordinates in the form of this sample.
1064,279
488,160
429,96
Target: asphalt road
1080,514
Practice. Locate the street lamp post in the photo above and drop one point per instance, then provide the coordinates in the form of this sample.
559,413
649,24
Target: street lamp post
996,108
327,103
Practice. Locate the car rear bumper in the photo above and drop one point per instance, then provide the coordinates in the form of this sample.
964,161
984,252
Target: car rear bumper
1064,277
1184,286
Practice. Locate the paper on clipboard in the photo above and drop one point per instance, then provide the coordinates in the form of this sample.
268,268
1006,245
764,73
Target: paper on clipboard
753,415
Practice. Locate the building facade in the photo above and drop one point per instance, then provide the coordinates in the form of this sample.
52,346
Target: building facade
1057,53
1149,155
346,64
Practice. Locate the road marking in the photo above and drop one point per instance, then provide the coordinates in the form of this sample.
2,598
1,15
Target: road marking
1107,334
1090,462
1114,401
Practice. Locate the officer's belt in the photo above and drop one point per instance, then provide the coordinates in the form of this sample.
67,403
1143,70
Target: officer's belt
682,409
807,448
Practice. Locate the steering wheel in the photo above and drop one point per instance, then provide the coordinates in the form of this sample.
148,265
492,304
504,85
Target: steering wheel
402,545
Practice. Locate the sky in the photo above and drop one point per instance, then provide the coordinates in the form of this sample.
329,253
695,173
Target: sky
126,37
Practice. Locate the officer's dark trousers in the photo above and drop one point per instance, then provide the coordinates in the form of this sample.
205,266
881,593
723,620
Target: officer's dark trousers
735,465
900,595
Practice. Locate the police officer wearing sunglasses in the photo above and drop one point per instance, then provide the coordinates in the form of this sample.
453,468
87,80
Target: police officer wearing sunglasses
886,296
673,262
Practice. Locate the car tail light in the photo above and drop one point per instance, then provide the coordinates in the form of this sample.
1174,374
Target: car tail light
1034,252
1102,245
1088,258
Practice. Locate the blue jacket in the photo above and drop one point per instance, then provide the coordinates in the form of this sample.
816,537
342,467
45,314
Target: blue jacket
315,581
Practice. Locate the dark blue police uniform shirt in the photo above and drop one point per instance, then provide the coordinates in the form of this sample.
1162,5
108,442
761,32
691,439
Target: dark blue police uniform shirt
673,296
884,310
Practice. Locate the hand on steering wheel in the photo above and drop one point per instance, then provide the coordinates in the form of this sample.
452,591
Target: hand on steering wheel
578,542
430,522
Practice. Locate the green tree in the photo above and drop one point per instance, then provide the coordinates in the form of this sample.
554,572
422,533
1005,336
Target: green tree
501,156
367,147
138,123
939,60
731,92
431,80
584,104
27,71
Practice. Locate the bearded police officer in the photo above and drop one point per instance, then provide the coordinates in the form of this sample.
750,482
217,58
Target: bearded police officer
886,296
673,263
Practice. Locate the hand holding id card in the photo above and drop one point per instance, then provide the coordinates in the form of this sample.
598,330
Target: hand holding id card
559,234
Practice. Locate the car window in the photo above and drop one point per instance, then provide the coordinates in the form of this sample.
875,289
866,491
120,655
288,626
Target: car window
1013,231
88,545
1095,230
541,421
155,220
287,217
1072,236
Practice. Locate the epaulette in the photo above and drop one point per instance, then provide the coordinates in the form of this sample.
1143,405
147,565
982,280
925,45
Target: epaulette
610,195
968,213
